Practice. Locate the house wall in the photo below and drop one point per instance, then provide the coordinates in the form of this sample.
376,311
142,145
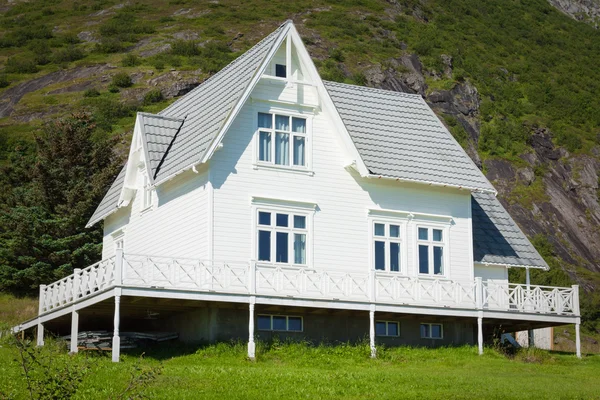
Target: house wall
341,227
498,274
213,324
176,225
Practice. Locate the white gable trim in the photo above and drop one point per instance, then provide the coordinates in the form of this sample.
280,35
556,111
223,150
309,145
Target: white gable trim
291,34
490,264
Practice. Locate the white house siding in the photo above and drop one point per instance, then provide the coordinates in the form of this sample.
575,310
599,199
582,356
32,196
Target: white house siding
112,224
176,226
494,273
341,230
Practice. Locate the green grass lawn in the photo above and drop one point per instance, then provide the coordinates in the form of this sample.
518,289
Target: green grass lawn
301,371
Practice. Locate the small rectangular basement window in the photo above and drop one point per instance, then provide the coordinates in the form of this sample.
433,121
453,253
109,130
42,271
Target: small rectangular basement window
432,331
387,328
280,71
280,323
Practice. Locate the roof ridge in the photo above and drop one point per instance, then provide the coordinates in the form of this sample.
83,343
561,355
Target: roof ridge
372,89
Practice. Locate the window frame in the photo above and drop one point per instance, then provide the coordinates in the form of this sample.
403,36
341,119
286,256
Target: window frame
388,239
430,324
287,323
430,243
290,230
147,202
387,330
290,113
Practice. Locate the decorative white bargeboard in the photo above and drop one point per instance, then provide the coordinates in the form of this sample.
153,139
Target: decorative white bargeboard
143,271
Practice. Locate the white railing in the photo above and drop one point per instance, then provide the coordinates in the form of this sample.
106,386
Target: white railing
249,278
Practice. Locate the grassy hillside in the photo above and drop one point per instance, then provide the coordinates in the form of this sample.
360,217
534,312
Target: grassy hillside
300,371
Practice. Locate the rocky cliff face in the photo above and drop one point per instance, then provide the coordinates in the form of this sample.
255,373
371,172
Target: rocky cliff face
581,10
552,192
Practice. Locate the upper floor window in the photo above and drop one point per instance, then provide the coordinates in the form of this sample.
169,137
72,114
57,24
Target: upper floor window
282,237
282,140
386,246
431,245
280,70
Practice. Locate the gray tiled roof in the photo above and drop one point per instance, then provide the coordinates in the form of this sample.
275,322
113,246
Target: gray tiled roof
110,201
158,132
496,237
398,135
208,106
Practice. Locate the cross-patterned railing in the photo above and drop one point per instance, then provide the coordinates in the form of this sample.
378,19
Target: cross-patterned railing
131,270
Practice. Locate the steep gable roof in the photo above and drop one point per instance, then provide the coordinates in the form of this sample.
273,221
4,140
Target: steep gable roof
110,202
158,133
399,136
497,239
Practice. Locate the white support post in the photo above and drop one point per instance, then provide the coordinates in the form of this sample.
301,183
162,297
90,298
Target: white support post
372,331
578,338
527,279
74,330
42,299
480,332
40,334
119,266
76,283
116,342
251,344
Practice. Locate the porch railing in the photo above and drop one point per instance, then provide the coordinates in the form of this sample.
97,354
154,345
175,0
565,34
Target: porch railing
249,278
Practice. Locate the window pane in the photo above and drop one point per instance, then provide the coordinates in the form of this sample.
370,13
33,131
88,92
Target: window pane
281,247
278,323
299,248
265,120
438,260
380,255
295,324
282,220
392,329
264,322
298,150
395,257
436,331
282,123
300,221
282,149
437,235
264,218
394,231
379,230
280,70
424,330
264,246
299,125
423,234
423,259
380,328
264,147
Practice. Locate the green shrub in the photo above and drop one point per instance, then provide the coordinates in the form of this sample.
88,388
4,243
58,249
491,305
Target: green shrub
92,92
130,60
68,54
109,45
113,89
122,80
153,96
4,82
185,48
21,65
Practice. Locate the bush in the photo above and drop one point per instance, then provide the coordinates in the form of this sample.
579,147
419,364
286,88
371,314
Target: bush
153,96
122,80
4,82
68,54
93,92
185,48
20,65
130,60
109,45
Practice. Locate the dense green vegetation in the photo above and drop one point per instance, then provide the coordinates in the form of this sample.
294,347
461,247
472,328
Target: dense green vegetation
303,371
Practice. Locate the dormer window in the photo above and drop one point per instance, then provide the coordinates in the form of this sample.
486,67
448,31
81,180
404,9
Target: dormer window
280,71
282,140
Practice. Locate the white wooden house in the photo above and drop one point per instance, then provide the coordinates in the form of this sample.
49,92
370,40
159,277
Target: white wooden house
270,202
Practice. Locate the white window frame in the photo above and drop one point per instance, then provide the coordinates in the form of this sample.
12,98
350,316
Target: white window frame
387,239
147,192
290,207
430,324
387,323
290,230
291,113
287,323
431,244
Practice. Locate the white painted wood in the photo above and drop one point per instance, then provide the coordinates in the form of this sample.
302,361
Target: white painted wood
251,344
40,334
74,331
480,333
372,332
116,341
578,339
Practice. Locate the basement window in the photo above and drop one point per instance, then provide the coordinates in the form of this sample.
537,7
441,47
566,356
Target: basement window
280,323
387,328
432,331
